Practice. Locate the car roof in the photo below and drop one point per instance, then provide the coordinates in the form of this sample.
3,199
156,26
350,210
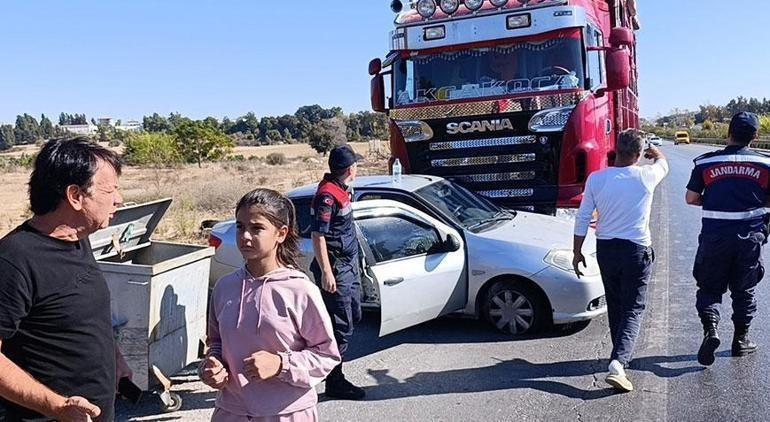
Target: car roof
409,183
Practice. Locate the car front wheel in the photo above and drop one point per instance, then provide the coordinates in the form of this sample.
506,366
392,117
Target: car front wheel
515,308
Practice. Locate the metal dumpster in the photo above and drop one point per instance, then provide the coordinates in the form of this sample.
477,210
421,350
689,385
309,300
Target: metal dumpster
159,293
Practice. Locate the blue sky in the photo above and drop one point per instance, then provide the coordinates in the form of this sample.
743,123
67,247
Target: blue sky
125,59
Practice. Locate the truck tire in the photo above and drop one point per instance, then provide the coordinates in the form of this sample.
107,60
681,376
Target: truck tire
516,308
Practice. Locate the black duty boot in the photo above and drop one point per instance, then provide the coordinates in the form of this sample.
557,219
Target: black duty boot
742,345
338,387
710,340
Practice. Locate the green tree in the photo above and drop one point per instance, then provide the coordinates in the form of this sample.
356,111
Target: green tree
105,132
227,125
27,130
155,123
198,141
7,137
273,136
327,134
156,150
175,120
46,128
764,125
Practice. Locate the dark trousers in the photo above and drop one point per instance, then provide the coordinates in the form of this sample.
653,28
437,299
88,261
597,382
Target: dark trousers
728,261
626,268
344,305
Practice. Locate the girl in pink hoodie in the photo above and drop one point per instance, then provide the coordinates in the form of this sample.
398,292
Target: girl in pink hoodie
270,338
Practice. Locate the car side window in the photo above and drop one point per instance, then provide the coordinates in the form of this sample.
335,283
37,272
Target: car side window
394,197
396,237
302,210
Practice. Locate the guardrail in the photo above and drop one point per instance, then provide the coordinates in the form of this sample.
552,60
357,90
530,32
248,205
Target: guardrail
762,143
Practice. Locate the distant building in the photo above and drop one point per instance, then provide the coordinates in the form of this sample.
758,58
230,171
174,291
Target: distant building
130,126
104,121
87,129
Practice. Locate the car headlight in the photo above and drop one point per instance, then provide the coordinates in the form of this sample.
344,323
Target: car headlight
562,259
426,8
449,6
551,120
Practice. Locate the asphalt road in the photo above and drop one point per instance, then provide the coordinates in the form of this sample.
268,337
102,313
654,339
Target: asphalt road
460,370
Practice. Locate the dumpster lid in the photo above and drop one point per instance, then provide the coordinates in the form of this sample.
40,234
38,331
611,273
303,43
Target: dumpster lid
129,229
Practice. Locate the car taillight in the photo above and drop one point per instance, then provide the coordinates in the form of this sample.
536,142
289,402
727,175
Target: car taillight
214,241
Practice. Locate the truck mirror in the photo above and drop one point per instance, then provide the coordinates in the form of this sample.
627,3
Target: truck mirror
378,93
375,66
622,37
618,70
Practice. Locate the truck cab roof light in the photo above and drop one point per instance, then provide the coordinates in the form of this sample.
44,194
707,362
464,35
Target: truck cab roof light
426,8
473,4
449,6
498,3
518,21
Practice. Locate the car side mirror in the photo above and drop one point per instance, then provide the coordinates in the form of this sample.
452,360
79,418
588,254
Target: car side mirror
451,244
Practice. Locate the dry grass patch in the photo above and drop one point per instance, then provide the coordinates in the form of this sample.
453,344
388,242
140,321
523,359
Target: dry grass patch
208,193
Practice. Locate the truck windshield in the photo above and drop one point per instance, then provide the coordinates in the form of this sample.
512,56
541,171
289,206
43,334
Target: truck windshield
463,207
516,68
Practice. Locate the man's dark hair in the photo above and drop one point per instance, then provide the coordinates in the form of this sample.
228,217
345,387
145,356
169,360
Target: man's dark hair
630,143
65,162
338,173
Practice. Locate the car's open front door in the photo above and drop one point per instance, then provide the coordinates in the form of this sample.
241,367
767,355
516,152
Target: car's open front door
419,263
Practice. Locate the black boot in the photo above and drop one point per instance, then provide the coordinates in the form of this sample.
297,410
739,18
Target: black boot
742,345
710,339
338,387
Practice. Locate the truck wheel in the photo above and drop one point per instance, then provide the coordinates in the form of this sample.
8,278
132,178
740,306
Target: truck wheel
515,308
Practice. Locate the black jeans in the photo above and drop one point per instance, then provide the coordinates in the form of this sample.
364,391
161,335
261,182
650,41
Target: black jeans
626,268
730,261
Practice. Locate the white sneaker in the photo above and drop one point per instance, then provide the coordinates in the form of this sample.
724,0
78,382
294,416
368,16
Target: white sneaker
617,377
616,368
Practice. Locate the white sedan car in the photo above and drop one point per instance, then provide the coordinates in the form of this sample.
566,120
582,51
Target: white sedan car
655,140
431,247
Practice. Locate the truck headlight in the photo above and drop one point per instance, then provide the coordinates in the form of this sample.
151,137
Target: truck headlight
562,259
551,120
415,130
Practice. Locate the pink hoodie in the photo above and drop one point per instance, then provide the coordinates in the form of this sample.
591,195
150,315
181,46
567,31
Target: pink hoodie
281,312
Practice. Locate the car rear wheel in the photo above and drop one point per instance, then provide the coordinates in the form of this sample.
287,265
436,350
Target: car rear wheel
515,308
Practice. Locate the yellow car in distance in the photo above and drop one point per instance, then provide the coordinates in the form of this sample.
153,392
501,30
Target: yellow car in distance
681,137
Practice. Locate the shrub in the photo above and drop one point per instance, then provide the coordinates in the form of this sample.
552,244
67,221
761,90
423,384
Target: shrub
764,125
157,150
276,159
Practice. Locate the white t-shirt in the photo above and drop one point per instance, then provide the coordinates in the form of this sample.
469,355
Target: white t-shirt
622,196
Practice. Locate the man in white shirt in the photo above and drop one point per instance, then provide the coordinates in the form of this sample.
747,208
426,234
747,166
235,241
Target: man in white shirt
622,196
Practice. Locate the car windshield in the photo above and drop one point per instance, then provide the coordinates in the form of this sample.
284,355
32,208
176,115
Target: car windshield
466,209
521,67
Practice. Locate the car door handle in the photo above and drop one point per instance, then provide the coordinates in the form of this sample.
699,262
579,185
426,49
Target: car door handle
393,281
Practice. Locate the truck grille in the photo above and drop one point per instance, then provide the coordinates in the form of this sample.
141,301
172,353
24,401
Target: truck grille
513,166
481,161
507,193
483,143
496,177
